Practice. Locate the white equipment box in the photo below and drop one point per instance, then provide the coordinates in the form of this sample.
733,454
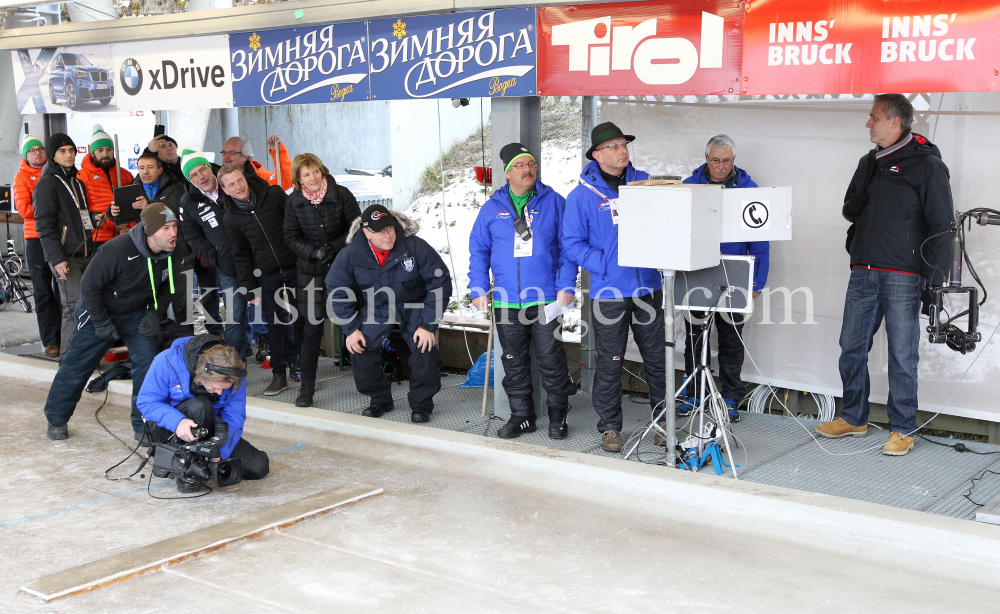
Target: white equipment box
670,227
756,214
680,227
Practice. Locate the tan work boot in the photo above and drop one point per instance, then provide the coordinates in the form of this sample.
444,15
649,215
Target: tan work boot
612,441
898,444
840,428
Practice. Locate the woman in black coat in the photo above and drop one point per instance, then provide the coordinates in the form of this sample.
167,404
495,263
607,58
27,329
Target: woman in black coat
317,220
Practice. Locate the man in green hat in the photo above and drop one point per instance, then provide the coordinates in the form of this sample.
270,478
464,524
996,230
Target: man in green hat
622,298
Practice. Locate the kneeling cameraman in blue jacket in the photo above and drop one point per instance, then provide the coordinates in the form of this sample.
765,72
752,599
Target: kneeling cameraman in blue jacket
200,382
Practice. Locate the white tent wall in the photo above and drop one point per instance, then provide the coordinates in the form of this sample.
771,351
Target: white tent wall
814,146
344,135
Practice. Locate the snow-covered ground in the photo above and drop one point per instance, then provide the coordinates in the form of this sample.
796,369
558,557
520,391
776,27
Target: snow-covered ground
447,227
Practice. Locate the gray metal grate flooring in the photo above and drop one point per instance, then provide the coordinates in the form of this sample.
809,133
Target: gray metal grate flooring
772,450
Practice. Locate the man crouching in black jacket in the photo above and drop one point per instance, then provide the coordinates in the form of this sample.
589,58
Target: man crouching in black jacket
402,281
255,218
124,292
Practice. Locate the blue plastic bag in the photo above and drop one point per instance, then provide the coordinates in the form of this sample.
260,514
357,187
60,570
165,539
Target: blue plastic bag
475,376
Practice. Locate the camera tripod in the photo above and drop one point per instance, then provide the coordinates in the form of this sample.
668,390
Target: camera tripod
711,400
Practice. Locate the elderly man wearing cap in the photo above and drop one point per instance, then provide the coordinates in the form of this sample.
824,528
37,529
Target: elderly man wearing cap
124,293
403,282
206,235
516,235
64,224
43,283
621,297
99,174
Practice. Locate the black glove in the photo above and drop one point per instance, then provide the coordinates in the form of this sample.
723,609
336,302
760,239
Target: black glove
330,255
149,326
320,253
856,203
106,330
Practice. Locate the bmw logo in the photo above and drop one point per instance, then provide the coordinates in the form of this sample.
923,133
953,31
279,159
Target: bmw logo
131,77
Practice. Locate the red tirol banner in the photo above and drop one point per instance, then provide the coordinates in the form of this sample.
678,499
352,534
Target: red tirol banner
640,48
851,47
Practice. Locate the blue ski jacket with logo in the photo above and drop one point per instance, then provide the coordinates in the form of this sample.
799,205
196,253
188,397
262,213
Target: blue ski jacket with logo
589,238
168,384
528,279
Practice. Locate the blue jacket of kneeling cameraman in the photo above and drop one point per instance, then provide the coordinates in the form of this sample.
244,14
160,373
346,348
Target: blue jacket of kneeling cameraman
168,383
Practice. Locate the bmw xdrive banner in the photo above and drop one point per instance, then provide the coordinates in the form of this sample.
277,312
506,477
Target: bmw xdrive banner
300,65
180,73
456,55
63,79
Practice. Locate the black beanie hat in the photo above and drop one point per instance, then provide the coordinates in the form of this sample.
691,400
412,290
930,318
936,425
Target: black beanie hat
57,141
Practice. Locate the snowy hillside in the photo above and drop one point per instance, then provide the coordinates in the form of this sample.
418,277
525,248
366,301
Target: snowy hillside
446,227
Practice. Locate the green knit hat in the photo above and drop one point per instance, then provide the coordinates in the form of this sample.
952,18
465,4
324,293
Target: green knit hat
99,139
27,143
190,160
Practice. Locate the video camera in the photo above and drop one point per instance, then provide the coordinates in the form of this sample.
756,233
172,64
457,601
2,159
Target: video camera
190,464
939,329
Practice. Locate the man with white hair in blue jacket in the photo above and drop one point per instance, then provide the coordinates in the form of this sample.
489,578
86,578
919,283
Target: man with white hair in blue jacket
516,235
720,169
621,297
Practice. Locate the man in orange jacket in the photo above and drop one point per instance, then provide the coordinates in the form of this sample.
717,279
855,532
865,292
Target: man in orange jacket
43,284
237,151
98,173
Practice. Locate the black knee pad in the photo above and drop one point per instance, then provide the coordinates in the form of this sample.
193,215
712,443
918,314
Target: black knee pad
257,467
198,408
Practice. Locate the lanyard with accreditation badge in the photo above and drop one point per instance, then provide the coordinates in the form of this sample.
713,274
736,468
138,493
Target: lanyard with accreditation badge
522,233
612,202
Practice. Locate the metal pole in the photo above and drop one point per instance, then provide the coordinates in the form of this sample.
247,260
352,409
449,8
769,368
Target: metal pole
669,415
588,357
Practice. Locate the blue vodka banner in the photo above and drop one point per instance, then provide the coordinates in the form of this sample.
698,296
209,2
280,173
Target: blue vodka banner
315,64
456,55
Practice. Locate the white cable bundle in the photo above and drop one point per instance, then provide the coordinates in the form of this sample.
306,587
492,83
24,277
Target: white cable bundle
759,398
826,406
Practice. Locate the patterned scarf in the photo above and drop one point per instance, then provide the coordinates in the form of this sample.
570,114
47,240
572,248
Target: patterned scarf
317,196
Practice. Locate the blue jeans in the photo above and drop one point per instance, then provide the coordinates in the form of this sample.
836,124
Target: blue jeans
871,297
84,355
236,314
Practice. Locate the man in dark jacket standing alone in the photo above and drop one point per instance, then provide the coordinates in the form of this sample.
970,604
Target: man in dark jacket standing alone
255,218
125,292
899,197
317,219
402,281
516,235
64,225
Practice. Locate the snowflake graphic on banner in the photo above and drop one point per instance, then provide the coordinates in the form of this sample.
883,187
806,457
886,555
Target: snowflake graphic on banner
255,41
399,29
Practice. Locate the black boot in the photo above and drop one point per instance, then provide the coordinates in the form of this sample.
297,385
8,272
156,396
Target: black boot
375,410
516,426
558,429
305,398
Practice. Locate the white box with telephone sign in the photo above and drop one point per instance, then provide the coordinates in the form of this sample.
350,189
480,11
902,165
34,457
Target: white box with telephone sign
680,227
756,214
